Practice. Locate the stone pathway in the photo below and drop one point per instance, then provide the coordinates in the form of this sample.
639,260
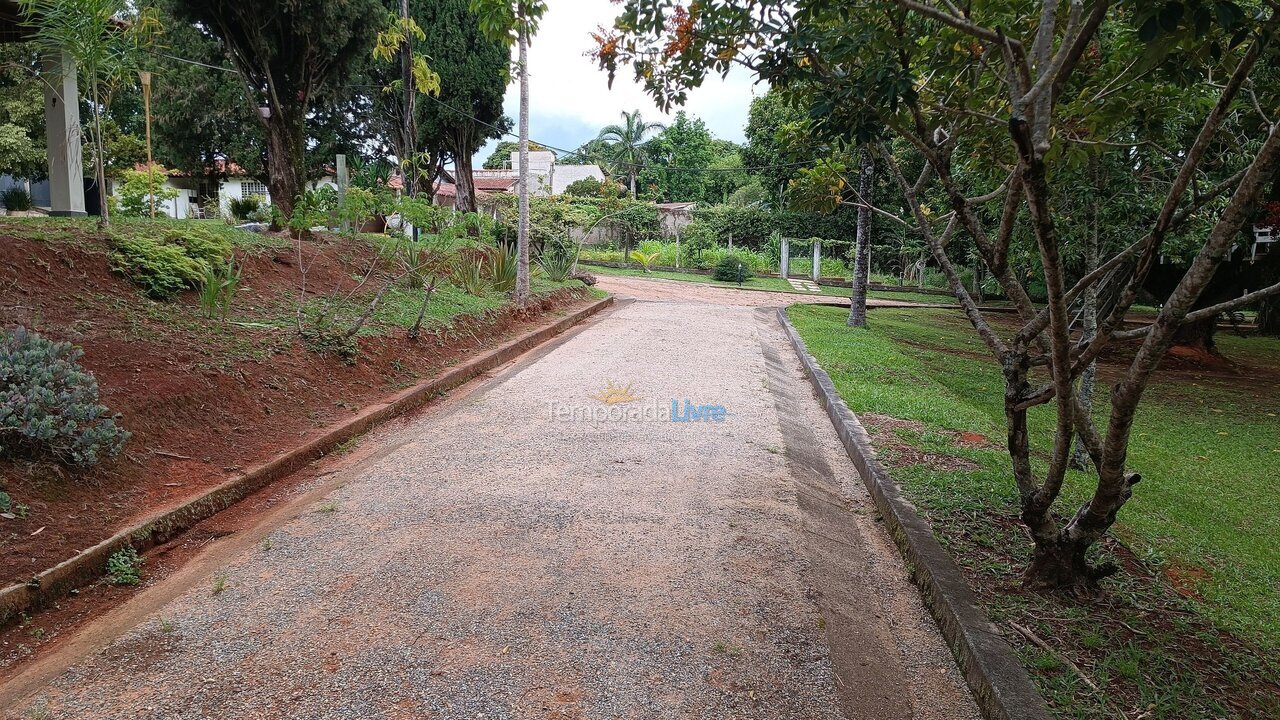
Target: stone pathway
565,540
804,286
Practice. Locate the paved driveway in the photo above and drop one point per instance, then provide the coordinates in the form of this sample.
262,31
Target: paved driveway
532,551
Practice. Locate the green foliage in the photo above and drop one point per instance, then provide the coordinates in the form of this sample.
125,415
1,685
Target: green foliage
500,158
244,208
124,567
16,199
218,285
49,403
134,197
732,268
696,238
685,164
753,226
591,188
624,146
22,142
556,262
303,51
646,259
107,40
165,259
502,268
473,72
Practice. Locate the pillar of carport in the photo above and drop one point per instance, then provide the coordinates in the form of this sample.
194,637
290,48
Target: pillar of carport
62,127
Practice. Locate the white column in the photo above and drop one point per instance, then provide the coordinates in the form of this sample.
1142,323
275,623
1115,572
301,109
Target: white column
785,264
817,260
62,130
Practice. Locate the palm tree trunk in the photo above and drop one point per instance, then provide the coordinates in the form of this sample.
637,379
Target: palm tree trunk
522,237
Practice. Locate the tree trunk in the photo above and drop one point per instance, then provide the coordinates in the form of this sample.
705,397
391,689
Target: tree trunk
522,237
285,148
1089,322
464,181
862,251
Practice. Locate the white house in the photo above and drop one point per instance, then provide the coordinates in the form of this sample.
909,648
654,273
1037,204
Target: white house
210,195
547,177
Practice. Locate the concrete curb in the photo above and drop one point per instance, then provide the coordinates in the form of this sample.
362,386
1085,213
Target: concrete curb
89,564
995,675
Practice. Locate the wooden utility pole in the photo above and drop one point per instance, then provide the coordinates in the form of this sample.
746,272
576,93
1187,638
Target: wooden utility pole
145,76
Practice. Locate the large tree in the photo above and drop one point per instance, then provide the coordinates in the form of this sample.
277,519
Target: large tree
473,78
679,157
625,146
22,141
772,127
982,119
289,56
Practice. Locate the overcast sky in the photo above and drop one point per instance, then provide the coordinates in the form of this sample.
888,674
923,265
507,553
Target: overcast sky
570,99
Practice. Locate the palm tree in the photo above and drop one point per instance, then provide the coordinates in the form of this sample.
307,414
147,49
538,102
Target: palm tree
625,145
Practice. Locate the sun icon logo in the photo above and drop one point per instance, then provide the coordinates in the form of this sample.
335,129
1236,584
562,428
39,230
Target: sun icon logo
616,394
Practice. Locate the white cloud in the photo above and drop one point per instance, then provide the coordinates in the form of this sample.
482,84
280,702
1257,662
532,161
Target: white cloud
566,88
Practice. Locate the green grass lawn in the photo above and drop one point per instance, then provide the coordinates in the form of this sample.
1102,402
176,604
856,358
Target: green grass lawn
1207,443
770,284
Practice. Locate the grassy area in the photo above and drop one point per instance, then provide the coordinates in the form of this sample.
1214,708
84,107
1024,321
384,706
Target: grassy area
1204,520
77,230
771,284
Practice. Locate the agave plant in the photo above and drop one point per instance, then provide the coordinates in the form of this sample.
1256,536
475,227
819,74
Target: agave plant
502,268
470,272
556,263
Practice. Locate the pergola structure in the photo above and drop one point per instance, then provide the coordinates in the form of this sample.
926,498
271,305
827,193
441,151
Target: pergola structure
61,118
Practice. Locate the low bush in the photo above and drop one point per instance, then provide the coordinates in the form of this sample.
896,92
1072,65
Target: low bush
556,262
49,403
124,567
16,199
732,268
167,259
244,208
139,188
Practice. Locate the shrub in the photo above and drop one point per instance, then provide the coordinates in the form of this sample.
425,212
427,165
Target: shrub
244,208
133,199
732,268
124,567
16,199
556,262
502,268
696,238
49,403
160,270
166,263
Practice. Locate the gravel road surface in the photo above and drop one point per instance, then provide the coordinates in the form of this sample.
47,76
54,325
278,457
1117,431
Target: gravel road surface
544,547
